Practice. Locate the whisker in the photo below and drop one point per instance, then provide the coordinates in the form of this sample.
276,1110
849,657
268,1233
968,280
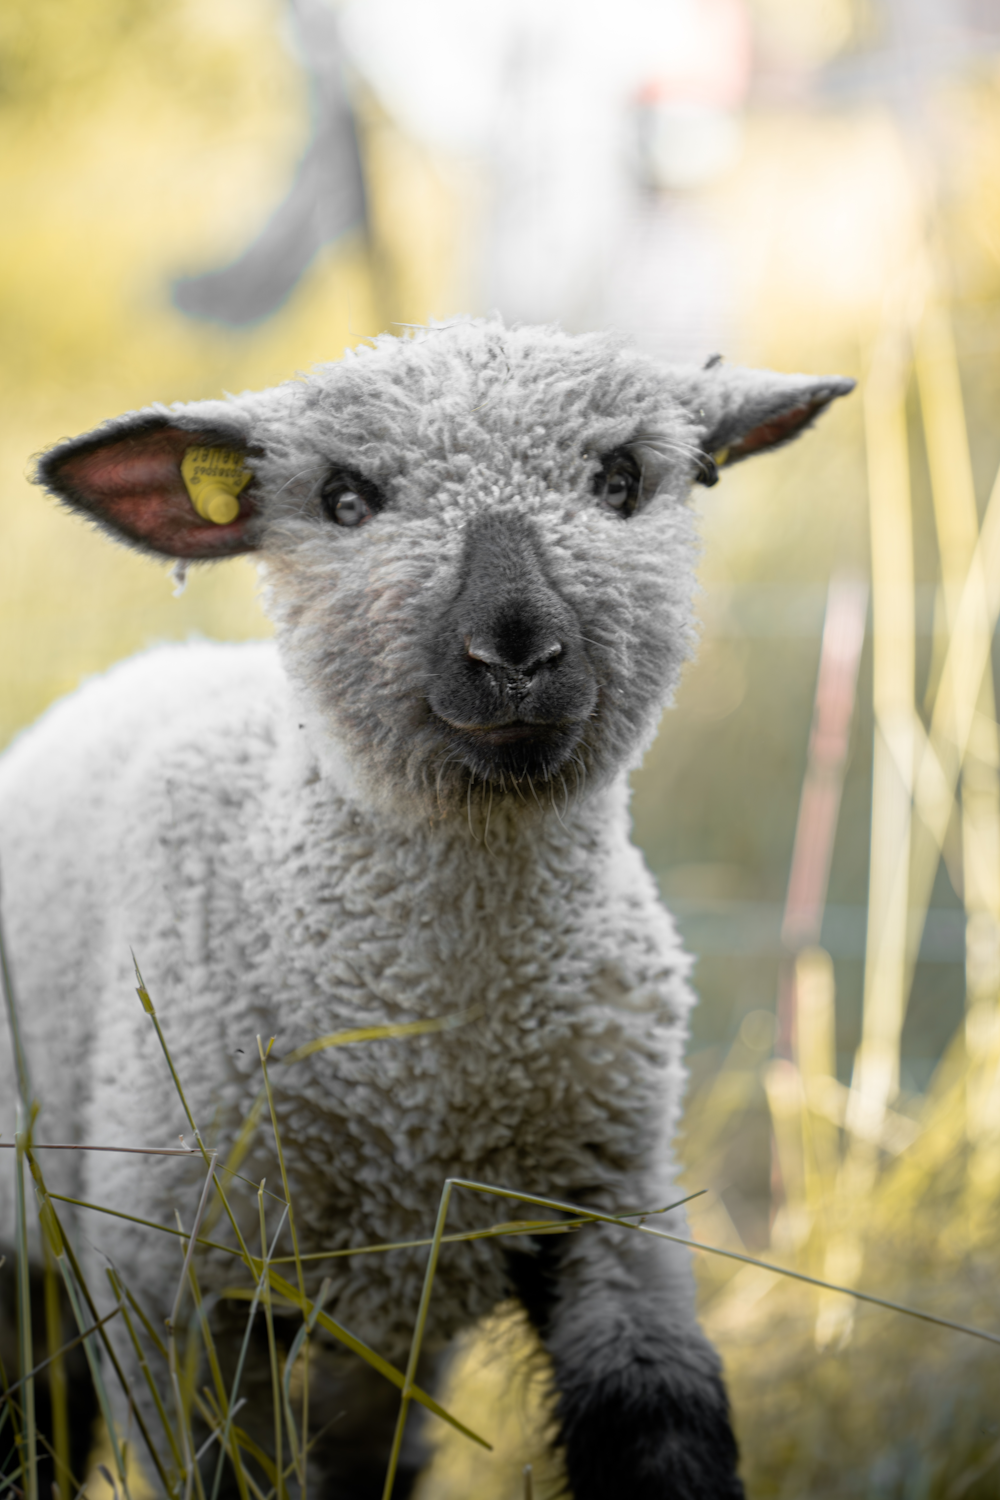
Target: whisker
489,809
576,763
448,760
301,475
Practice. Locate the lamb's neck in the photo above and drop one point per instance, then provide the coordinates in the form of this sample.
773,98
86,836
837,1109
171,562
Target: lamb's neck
495,845
491,840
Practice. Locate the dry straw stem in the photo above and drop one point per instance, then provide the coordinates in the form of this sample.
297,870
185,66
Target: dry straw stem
974,754
961,712
914,768
876,1067
876,1072
957,523
916,1198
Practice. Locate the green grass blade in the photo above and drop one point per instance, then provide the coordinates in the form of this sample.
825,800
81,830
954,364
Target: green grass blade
217,1380
8,1391
396,1377
96,1373
300,1472
271,1346
750,1260
380,1033
57,1374
234,1393
119,1291
417,1341
300,1346
24,1087
29,1433
66,1259
116,1213
150,1010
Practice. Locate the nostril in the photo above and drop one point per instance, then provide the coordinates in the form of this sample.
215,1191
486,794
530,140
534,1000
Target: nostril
547,653
480,648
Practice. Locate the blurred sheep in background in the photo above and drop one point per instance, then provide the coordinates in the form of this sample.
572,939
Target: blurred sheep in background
586,135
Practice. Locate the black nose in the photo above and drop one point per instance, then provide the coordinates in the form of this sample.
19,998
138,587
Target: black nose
507,662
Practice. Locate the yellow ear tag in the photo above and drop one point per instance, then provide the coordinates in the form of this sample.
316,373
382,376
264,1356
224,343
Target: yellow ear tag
720,457
214,478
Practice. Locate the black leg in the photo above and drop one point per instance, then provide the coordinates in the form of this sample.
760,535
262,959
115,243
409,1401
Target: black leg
641,1407
81,1400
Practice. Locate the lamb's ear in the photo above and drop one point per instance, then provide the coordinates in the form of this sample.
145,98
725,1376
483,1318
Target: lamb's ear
164,487
751,411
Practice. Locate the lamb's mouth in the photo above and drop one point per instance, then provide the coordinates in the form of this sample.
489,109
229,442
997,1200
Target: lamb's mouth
517,748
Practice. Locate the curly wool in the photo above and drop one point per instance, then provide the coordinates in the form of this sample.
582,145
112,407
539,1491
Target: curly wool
291,844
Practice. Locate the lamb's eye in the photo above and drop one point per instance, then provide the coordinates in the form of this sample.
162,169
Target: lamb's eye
618,482
349,509
348,500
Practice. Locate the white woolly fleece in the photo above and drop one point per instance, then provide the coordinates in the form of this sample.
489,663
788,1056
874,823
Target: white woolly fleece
178,810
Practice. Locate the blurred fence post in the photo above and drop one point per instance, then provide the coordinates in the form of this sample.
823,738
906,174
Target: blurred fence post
812,853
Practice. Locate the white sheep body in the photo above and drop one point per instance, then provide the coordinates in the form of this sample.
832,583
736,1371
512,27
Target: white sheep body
414,807
259,904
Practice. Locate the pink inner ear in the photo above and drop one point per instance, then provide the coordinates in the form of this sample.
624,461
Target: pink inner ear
778,430
134,484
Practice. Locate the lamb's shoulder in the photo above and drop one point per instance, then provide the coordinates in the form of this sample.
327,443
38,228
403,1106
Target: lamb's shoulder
89,792
74,756
86,799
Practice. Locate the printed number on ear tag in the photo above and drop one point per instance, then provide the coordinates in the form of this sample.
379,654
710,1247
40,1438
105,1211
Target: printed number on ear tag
214,478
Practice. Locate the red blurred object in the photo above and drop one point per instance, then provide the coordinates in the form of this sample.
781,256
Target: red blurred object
836,686
709,61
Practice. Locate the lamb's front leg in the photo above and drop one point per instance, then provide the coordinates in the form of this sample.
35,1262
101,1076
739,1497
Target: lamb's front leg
641,1405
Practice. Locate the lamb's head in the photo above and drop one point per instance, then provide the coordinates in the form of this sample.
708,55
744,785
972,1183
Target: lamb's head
477,544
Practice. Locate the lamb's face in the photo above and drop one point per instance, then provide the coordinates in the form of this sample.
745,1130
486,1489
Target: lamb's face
477,543
480,557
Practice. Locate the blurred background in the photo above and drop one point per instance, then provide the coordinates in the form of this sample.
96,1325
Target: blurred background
212,196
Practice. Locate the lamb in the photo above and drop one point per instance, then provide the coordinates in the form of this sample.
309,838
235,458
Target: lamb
478,555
